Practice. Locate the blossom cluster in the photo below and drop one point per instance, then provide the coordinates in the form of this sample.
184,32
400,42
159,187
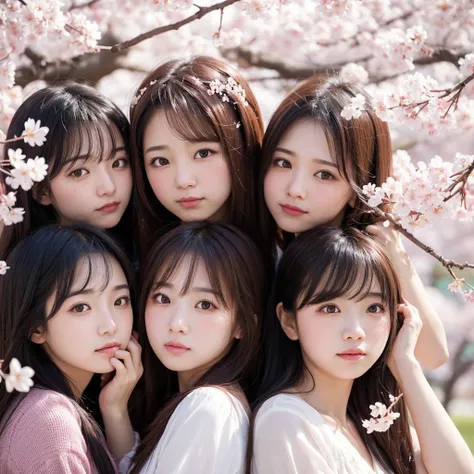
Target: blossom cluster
230,88
22,174
382,418
18,378
419,194
461,286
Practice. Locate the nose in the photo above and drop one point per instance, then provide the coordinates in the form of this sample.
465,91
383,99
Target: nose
178,324
353,329
185,177
107,323
106,183
297,186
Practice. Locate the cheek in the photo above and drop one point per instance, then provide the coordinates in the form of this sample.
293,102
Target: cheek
216,171
271,184
379,331
155,324
158,181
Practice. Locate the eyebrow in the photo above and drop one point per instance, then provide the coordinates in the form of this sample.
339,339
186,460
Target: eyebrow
317,160
89,291
86,157
166,147
194,289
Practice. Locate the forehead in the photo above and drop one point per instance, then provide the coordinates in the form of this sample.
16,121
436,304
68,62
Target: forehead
98,272
184,274
158,129
306,138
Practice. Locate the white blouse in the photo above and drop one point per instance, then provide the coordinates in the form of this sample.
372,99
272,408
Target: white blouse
291,437
206,434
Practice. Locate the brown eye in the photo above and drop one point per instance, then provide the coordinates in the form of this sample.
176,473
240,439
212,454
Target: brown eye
80,308
324,175
159,162
205,305
79,173
204,153
160,298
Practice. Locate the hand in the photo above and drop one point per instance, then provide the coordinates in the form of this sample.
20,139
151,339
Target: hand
403,351
389,238
118,385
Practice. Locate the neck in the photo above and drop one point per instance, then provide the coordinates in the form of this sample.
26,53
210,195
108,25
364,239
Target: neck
78,379
327,394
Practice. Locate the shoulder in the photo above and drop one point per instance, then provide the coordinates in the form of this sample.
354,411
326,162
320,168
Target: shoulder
43,422
289,411
212,403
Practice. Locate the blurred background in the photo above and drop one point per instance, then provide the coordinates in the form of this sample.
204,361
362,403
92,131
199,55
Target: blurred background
275,43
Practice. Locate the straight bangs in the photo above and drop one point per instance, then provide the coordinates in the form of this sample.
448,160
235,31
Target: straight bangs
97,276
186,111
331,263
350,275
87,141
191,256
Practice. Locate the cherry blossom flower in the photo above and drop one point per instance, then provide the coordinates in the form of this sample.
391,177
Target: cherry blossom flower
19,378
34,133
16,156
352,72
355,108
11,216
3,267
457,286
20,177
381,416
38,168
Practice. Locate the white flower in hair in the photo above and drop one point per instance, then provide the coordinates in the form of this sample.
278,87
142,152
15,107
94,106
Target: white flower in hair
15,156
34,133
3,268
19,378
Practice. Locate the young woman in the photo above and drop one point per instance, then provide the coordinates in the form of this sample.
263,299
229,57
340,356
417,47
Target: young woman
199,321
65,311
89,177
344,339
196,131
314,161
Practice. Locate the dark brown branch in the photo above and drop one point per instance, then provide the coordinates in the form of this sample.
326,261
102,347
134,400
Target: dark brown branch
447,263
203,11
461,180
83,5
288,72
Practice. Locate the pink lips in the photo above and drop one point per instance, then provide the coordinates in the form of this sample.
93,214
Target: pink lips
176,348
292,210
352,354
190,202
109,349
110,207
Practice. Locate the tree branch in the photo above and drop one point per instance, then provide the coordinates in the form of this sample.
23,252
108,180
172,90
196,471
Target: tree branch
298,73
83,5
116,48
447,263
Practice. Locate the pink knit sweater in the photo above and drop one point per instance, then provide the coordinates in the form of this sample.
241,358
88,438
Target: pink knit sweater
43,436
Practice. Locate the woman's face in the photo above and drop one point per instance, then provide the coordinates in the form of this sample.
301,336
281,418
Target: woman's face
92,189
341,338
303,188
91,324
188,332
190,179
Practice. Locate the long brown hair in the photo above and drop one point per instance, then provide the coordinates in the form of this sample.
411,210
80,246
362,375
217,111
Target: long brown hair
361,147
320,265
180,89
235,272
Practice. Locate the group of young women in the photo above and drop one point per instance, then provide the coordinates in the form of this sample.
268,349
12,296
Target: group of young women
243,308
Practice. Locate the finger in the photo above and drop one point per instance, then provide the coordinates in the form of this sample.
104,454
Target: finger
135,349
126,357
121,372
135,335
